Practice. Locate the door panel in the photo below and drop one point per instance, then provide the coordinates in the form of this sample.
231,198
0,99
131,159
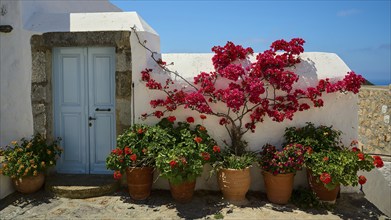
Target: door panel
84,104
101,72
70,108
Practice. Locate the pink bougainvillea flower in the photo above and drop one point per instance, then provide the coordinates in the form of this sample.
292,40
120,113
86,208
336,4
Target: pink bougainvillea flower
171,119
198,139
158,114
203,117
362,180
190,119
216,149
325,178
133,157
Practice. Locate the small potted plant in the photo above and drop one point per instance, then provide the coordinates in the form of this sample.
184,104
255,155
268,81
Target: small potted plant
330,169
135,154
27,160
183,158
279,168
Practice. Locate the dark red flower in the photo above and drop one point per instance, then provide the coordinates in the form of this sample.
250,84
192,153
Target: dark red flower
202,128
325,178
158,114
190,119
171,119
117,175
205,155
173,163
140,131
355,149
378,162
203,117
216,149
362,180
128,150
325,159
133,157
361,156
198,139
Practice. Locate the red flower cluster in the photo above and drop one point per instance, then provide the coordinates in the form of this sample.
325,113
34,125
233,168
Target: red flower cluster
216,149
133,157
362,180
361,156
205,155
378,162
117,151
198,139
325,178
171,119
190,120
128,150
117,175
173,163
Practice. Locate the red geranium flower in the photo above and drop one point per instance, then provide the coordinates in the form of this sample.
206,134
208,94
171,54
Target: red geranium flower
171,119
325,159
117,175
216,149
360,156
203,117
202,128
309,150
133,157
362,180
198,139
355,149
378,162
205,155
140,131
190,119
173,163
325,178
128,150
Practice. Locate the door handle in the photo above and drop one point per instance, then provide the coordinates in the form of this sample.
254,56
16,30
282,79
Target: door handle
91,118
103,109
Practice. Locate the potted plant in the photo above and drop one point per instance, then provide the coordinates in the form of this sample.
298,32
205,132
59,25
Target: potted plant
182,159
279,168
135,156
27,160
329,163
330,169
239,93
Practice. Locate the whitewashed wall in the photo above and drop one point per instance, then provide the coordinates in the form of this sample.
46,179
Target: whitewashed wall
339,110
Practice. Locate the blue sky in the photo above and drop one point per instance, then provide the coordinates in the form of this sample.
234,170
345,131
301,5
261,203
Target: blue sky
358,31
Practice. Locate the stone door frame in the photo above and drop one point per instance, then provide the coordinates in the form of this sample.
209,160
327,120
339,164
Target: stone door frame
42,74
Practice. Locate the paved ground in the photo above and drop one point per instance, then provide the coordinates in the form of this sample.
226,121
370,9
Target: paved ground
205,205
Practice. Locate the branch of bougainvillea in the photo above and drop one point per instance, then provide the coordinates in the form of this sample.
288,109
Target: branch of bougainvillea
159,61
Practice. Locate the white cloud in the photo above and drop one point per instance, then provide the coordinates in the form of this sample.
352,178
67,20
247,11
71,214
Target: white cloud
348,12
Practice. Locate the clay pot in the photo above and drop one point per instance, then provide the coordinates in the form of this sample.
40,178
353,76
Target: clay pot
234,184
29,184
139,181
321,191
183,192
278,187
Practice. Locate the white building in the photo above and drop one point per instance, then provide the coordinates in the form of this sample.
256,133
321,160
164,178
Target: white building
67,69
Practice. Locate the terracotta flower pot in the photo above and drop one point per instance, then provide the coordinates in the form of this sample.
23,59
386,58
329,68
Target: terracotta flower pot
29,184
183,192
321,191
278,187
234,184
139,181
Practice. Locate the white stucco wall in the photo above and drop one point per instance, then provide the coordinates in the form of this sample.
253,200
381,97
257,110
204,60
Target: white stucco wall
37,17
339,110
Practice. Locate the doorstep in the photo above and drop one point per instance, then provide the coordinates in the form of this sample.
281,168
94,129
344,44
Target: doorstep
80,186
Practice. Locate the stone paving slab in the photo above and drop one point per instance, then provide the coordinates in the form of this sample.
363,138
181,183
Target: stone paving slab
205,205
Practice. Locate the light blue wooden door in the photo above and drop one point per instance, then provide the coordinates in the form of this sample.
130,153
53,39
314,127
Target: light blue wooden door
84,107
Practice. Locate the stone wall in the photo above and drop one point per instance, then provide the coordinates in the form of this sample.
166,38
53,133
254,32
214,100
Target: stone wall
374,119
41,87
